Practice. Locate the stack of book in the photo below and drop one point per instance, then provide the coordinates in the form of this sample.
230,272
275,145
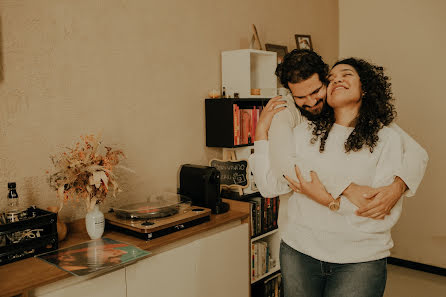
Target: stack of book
269,287
245,122
261,260
264,214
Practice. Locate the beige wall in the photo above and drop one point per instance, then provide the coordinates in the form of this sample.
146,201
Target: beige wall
136,70
408,38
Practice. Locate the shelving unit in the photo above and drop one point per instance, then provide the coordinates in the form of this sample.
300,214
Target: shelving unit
246,69
273,239
242,71
220,119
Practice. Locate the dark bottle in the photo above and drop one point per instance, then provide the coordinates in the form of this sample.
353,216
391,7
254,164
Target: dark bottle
13,211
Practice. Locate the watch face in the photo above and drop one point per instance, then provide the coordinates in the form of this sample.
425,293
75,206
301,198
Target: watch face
334,205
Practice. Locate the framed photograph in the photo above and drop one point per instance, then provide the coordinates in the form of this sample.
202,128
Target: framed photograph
303,42
281,51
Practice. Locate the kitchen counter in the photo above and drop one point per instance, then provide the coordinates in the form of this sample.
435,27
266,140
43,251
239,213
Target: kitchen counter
20,277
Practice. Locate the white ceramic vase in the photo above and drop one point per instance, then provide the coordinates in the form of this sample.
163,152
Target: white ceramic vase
95,223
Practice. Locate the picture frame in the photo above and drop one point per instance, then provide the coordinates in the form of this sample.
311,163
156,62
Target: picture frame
303,41
281,50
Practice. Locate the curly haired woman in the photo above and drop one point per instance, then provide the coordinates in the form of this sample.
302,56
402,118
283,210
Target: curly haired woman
327,250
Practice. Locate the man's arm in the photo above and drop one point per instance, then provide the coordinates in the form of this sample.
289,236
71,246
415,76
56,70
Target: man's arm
415,160
375,203
408,179
282,145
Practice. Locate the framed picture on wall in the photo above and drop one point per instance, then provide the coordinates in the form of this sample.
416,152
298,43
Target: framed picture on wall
303,42
281,50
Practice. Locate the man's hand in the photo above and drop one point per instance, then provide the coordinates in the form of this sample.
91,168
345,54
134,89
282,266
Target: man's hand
314,188
266,117
384,200
357,194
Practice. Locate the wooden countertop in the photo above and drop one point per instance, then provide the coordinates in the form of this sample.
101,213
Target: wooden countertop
19,277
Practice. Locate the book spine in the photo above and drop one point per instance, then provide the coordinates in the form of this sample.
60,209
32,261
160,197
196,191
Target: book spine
253,270
253,218
254,123
236,127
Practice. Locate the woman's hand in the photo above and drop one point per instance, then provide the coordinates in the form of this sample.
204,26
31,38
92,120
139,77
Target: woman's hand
313,189
266,117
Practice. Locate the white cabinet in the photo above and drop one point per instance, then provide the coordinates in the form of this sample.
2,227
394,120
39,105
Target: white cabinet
108,285
246,69
171,273
215,265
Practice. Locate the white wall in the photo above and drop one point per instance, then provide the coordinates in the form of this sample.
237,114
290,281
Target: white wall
137,70
408,38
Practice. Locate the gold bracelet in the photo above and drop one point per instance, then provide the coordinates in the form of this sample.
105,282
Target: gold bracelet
334,205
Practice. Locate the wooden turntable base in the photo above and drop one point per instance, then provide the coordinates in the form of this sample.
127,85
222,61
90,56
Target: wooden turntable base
152,228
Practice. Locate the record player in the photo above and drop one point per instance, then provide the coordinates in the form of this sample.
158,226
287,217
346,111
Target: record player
160,215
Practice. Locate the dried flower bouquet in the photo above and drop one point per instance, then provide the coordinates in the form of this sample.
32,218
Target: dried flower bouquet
83,173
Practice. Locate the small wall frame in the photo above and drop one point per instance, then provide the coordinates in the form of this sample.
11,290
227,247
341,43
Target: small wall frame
303,41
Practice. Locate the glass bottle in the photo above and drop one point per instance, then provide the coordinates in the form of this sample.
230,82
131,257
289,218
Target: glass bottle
13,211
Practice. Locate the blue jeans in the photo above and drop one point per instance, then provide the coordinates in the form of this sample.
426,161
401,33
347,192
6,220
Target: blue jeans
304,276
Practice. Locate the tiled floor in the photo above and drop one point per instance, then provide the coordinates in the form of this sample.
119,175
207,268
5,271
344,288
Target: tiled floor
403,282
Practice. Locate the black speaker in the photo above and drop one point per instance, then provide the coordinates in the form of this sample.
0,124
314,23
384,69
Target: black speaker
202,185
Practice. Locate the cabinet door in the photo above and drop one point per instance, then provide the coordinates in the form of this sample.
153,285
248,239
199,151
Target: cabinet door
214,265
108,285
223,264
170,273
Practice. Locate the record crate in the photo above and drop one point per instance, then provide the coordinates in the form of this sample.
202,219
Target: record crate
35,234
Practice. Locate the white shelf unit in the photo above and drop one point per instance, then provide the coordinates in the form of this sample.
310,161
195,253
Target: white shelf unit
273,240
246,69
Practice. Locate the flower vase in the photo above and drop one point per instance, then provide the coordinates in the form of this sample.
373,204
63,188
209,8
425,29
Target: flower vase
95,223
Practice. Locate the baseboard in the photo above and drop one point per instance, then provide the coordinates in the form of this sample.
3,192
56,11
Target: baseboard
417,266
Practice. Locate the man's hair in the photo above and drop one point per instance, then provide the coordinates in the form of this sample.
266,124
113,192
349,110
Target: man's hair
300,65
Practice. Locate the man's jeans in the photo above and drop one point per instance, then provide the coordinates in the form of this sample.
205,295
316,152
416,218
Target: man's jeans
304,276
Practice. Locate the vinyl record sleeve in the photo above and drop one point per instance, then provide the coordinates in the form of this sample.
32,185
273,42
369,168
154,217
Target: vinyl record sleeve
92,256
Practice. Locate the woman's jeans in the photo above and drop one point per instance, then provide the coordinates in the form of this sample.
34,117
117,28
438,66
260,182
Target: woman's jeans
304,276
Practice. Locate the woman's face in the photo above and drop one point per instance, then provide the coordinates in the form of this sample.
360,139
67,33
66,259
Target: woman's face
344,86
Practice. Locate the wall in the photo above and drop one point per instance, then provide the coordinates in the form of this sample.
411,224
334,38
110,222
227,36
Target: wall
407,37
136,71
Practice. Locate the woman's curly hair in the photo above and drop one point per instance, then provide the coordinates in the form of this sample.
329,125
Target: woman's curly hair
376,111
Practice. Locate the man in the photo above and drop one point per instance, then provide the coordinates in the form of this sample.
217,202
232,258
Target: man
304,74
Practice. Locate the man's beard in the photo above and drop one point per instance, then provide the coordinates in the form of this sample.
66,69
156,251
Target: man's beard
309,115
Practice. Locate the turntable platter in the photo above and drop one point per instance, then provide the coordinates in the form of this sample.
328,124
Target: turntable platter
156,206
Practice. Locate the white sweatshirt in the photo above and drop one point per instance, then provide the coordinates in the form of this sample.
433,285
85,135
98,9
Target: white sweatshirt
338,237
281,143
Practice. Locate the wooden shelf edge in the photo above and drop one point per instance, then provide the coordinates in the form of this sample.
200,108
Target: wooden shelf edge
274,270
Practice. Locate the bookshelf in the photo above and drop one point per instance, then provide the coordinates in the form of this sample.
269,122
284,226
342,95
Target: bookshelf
220,124
268,279
249,71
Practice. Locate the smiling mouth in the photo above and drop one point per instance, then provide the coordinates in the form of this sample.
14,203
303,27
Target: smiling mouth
314,106
338,88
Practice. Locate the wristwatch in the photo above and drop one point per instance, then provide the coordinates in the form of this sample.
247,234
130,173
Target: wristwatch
334,205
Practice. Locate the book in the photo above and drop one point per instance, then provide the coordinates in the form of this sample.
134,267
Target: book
236,118
246,126
92,256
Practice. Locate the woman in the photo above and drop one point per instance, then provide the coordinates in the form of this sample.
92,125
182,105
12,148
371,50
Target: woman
326,249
